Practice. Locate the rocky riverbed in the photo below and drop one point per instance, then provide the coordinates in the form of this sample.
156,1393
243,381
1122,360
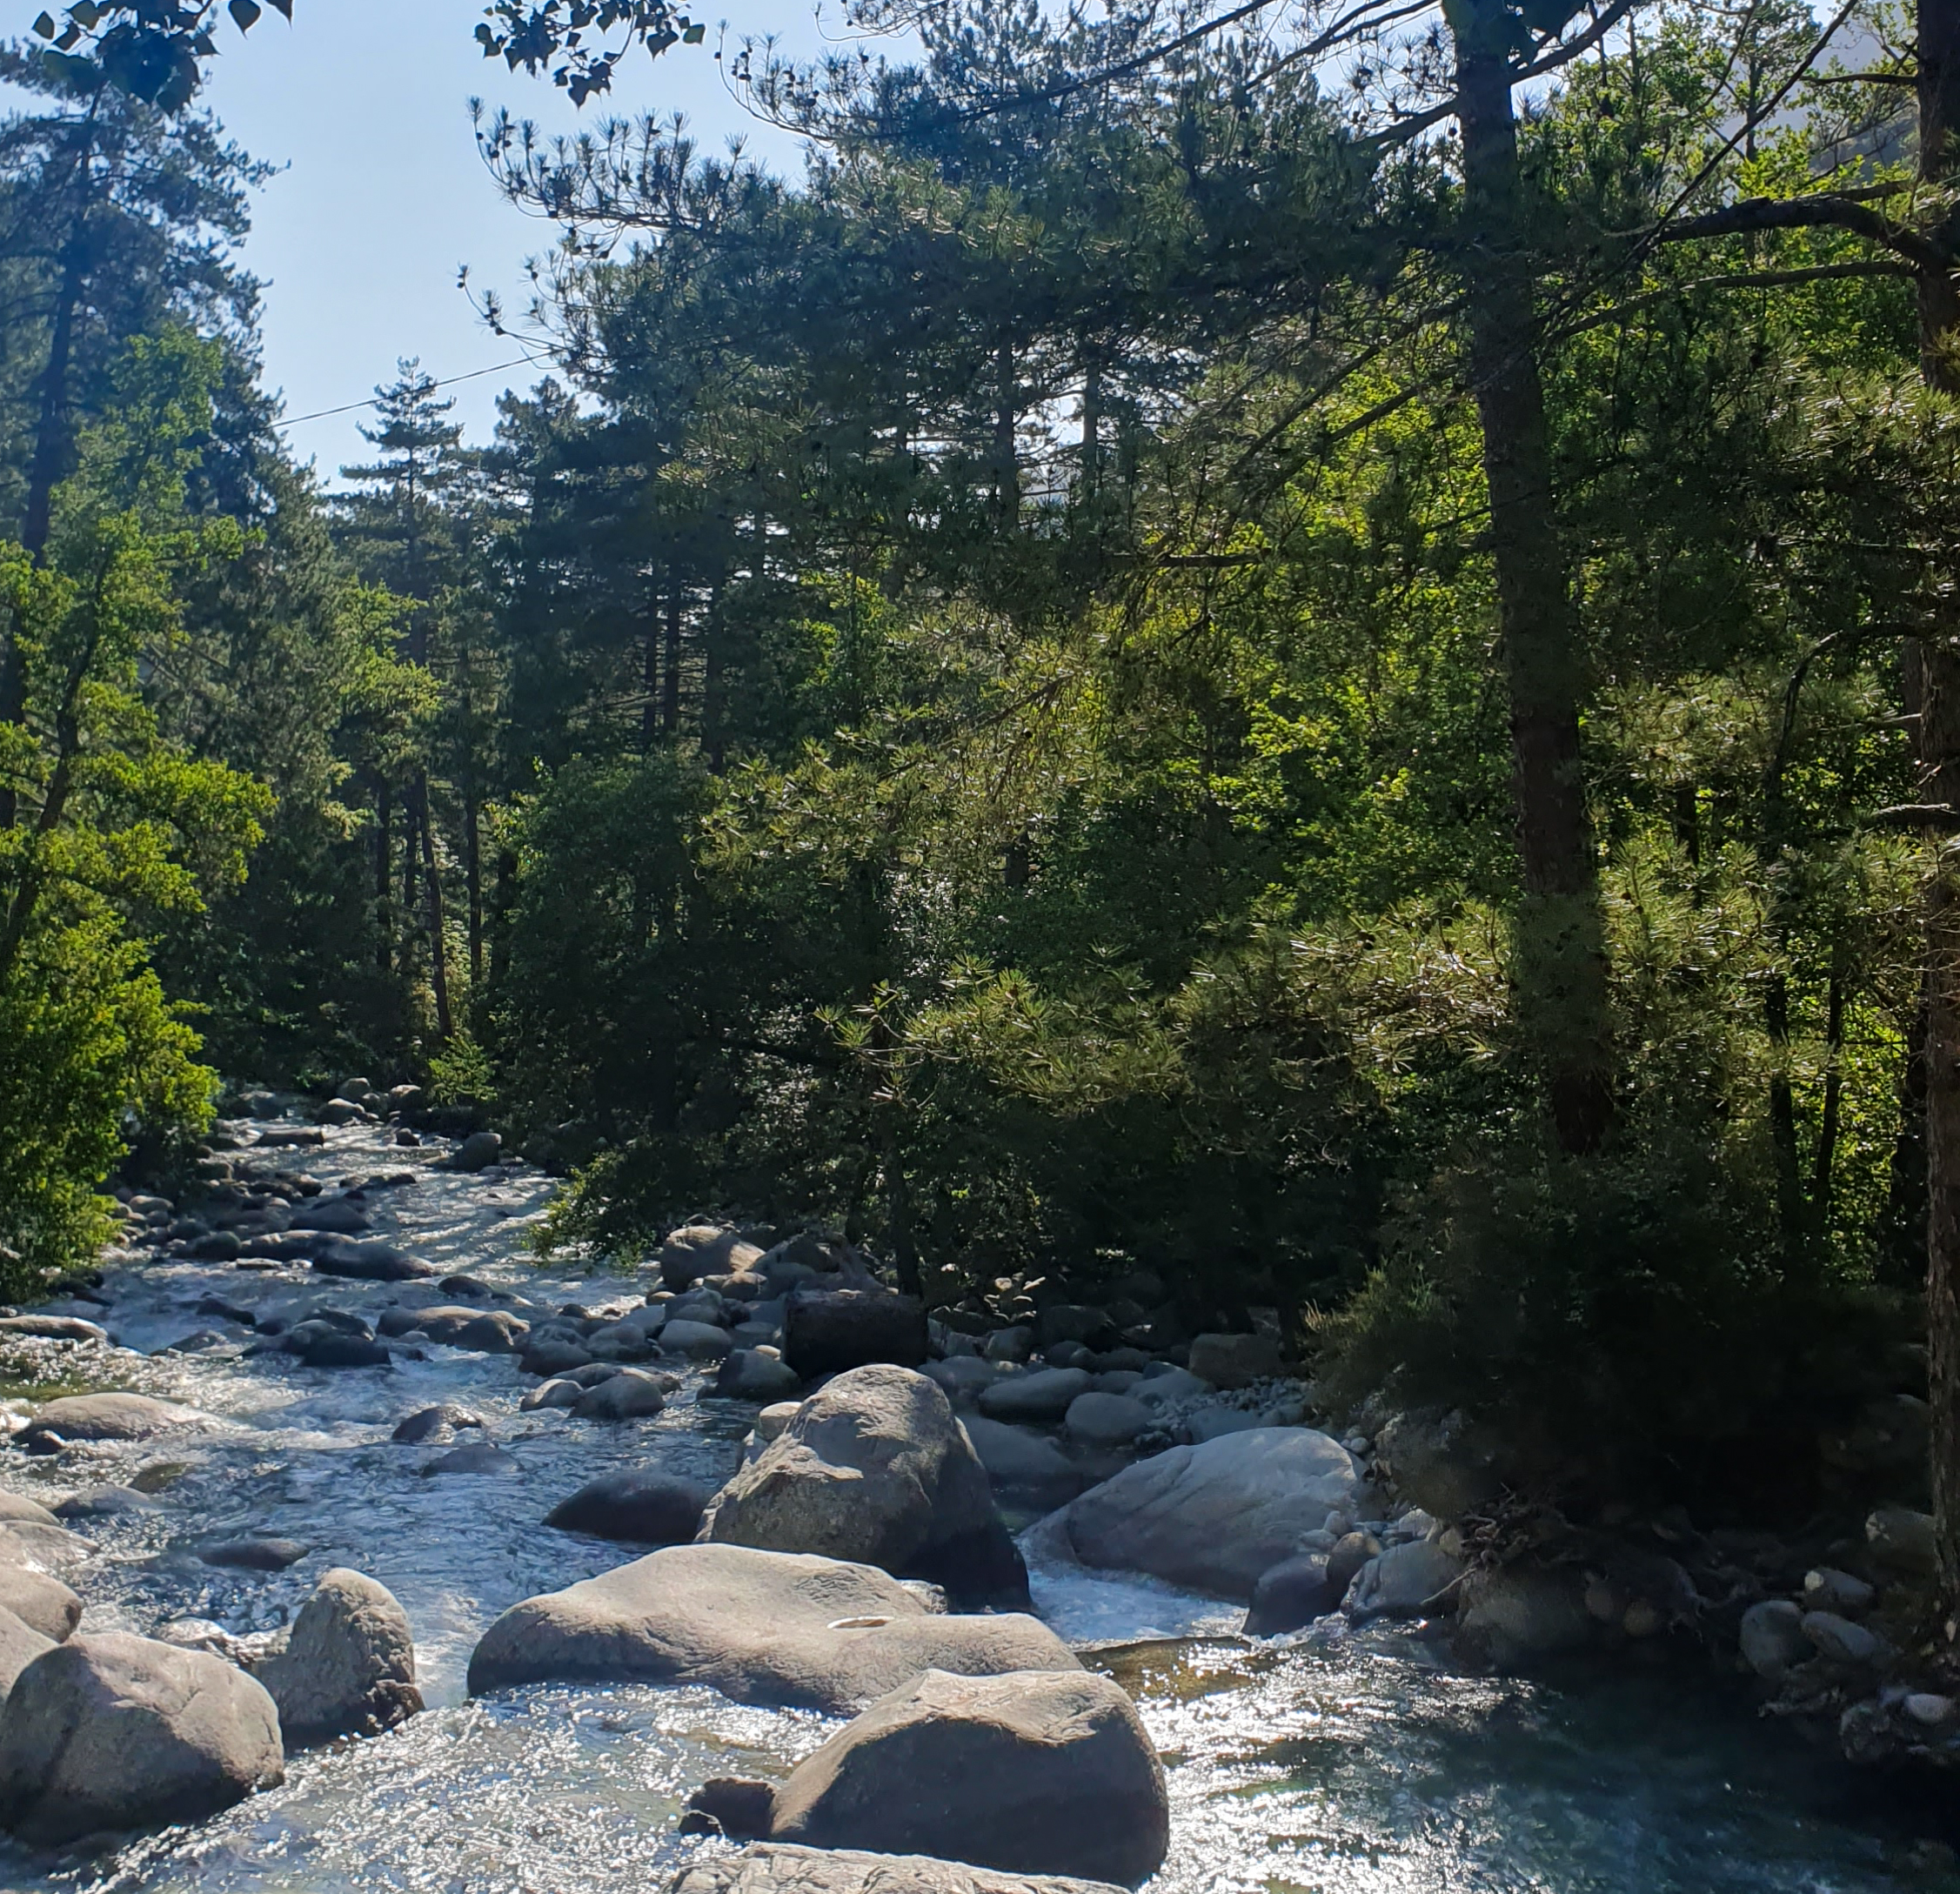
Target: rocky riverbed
1338,1758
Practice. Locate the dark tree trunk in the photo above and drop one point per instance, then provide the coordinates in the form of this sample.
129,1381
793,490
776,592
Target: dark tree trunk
384,863
473,872
501,903
49,462
1560,952
714,686
1938,84
439,946
670,681
650,681
1824,1166
1007,416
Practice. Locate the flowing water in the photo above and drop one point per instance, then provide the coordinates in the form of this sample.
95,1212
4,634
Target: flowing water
1356,1764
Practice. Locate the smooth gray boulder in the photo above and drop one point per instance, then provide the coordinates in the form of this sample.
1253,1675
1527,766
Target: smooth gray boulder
349,1667
1214,1518
759,1626
777,1868
115,1732
1045,1395
631,1394
1772,1638
757,1374
700,1249
1406,1580
641,1507
477,1152
1042,1773
334,1216
875,1468
439,1425
1024,1467
371,1262
14,1507
1290,1596
110,1417
698,1341
42,1602
1106,1419
1235,1360
1517,1613
20,1644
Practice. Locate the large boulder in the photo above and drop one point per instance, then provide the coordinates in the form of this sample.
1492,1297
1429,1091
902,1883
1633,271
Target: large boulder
1025,1469
349,1667
1047,1772
874,1468
111,1417
631,1394
336,1216
1045,1395
477,1152
641,1507
115,1732
1235,1360
777,1868
826,1331
53,1328
759,1626
42,1604
20,1644
1409,1579
1291,1595
1515,1614
1215,1517
700,1249
1439,1461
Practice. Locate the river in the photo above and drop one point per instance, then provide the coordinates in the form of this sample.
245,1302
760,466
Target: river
1349,1763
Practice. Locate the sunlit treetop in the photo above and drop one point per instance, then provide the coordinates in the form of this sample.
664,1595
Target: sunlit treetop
155,49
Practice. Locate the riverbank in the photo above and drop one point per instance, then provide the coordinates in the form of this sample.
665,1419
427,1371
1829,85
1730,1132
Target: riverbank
1340,1759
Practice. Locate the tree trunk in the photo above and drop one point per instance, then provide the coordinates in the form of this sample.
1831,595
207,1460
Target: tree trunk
383,862
473,870
650,681
438,945
1007,415
1559,951
1938,86
670,682
50,462
714,687
1824,1166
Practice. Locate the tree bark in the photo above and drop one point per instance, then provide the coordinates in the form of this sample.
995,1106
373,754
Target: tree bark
473,871
650,681
1938,89
438,945
1006,416
670,682
383,862
1559,951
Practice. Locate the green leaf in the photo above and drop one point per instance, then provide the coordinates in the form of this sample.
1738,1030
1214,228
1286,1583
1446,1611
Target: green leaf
284,7
245,12
85,14
45,26
694,36
70,35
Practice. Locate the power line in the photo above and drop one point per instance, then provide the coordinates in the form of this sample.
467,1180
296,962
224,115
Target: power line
354,407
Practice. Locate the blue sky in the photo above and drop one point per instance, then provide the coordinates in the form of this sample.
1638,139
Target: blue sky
365,102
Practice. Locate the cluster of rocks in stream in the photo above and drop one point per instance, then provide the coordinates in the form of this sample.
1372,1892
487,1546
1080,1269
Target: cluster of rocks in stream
860,1562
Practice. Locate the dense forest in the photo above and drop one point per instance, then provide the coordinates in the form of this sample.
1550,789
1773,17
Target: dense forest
1315,662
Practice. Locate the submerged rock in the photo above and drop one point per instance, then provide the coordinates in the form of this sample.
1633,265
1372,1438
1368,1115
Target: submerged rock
1291,1595
349,1667
371,1262
1406,1580
632,1393
114,1732
110,1417
479,1457
759,1626
874,1468
254,1554
1042,1773
437,1424
773,1867
1215,1517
